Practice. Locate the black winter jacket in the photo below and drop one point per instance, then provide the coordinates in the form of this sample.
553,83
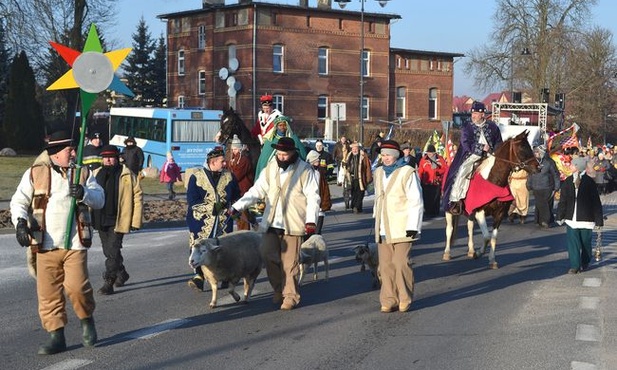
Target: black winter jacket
588,204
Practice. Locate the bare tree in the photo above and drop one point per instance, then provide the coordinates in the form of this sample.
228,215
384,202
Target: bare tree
566,55
31,24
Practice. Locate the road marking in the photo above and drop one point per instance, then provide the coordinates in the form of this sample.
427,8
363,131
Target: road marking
589,303
153,331
576,365
592,282
69,364
587,333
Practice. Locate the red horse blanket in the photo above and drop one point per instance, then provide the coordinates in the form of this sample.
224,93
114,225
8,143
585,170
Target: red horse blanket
481,192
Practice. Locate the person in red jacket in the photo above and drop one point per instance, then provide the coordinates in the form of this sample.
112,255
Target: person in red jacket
431,169
170,173
241,167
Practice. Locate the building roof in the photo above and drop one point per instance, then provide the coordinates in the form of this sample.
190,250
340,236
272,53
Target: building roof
278,6
426,52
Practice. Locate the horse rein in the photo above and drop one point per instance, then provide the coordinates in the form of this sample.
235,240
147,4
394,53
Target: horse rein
519,165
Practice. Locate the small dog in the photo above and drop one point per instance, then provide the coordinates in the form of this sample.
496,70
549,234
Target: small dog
313,251
366,255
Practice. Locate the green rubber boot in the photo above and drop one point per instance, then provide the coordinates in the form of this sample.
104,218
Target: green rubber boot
89,332
56,344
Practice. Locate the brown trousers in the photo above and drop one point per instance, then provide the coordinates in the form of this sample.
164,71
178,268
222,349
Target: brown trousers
63,271
396,274
280,253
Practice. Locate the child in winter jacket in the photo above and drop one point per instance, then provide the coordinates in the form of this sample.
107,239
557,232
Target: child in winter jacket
170,173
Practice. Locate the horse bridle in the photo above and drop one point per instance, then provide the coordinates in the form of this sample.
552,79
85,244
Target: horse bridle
519,164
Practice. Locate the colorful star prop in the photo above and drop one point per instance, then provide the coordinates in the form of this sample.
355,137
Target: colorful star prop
92,72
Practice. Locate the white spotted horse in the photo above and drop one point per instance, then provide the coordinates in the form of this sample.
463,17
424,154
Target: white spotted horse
512,155
232,124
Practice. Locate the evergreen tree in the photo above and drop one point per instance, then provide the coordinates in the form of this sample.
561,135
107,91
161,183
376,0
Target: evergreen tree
24,124
159,71
4,76
139,70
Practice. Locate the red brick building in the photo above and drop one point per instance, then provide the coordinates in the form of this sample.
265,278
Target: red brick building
308,58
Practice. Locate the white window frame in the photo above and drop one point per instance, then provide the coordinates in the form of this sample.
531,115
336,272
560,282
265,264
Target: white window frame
433,95
366,63
278,58
322,105
181,101
201,43
181,62
365,108
278,102
323,55
201,82
401,101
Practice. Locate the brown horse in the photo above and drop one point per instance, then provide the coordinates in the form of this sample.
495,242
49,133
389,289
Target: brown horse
232,124
512,155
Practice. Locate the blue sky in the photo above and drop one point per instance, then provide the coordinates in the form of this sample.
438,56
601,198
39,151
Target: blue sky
462,27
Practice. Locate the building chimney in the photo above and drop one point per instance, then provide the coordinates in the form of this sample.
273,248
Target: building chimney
303,3
212,3
324,4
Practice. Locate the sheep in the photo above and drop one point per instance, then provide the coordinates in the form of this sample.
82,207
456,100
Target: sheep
366,254
229,258
313,251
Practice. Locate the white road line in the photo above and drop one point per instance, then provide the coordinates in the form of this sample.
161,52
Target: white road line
592,282
69,364
589,303
576,365
587,333
153,331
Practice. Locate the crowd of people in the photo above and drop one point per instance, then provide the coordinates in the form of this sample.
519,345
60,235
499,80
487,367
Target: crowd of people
292,185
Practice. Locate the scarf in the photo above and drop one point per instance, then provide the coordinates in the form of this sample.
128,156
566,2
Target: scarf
391,168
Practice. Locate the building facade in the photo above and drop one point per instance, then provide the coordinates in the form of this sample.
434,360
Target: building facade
309,60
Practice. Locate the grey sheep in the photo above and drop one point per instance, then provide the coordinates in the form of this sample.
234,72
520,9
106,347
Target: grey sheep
313,251
230,257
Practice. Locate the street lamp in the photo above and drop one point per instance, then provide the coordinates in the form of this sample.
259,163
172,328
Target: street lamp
524,52
342,4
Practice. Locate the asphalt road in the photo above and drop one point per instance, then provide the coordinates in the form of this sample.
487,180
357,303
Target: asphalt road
527,315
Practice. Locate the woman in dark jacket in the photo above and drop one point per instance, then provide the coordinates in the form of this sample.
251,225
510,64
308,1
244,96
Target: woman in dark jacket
579,192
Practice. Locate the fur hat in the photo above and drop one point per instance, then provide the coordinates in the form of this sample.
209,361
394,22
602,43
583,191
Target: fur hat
430,148
312,156
94,135
579,163
236,143
58,140
285,144
478,106
216,152
110,151
129,139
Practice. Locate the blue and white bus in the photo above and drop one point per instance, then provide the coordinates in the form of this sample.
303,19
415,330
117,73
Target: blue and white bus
187,133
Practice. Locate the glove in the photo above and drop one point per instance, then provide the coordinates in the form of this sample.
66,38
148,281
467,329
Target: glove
309,229
76,191
233,213
22,232
411,234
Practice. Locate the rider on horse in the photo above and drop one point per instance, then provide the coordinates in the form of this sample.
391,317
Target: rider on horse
478,139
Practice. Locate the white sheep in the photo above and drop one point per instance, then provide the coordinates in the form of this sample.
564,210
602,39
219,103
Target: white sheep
367,255
230,258
313,251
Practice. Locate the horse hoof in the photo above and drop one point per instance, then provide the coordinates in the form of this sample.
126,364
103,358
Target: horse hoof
493,266
476,255
472,255
445,257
